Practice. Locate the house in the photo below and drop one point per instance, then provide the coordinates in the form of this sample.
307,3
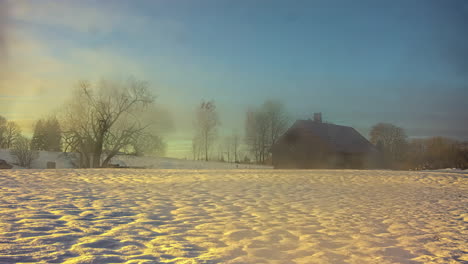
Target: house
311,144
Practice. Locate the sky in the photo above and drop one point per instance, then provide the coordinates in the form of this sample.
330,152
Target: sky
357,62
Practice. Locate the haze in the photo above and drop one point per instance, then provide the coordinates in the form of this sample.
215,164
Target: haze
357,62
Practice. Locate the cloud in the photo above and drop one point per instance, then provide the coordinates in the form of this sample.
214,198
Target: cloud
67,14
36,70
78,16
26,71
4,10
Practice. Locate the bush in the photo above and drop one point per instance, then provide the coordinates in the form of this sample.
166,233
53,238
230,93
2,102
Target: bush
23,153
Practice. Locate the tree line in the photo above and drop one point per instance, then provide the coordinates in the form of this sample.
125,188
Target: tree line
267,122
263,126
399,152
98,122
106,118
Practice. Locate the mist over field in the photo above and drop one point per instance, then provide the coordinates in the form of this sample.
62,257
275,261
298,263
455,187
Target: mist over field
358,63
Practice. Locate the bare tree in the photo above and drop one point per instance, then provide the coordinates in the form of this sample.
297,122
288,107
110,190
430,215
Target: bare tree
12,134
158,121
196,147
461,160
9,133
257,134
147,144
23,153
277,120
391,140
235,142
225,148
263,127
104,119
3,123
231,147
251,134
437,153
206,125
222,151
416,153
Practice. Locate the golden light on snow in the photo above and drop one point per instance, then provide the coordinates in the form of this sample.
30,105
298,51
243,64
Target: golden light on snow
232,216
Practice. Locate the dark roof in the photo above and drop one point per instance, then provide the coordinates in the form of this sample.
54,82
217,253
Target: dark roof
339,138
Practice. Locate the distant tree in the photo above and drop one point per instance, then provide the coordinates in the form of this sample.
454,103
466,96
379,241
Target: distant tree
230,147
225,149
391,140
206,125
148,144
47,135
263,127
9,133
235,144
53,134
100,121
440,153
437,153
38,141
416,154
277,120
12,134
196,147
23,153
3,123
461,159
150,141
252,135
256,134
222,152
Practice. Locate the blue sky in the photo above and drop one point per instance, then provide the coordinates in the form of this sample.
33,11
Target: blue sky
358,62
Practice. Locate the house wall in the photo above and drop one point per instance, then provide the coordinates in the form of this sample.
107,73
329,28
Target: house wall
301,150
294,151
348,161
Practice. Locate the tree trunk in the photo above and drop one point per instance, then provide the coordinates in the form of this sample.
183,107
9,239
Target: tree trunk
98,152
206,147
108,159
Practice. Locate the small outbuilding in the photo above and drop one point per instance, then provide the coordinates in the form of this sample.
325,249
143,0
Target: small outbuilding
312,144
5,165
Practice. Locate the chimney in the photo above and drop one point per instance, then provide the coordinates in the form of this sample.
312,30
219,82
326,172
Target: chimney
318,117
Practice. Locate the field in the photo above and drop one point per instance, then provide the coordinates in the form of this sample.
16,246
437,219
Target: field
232,216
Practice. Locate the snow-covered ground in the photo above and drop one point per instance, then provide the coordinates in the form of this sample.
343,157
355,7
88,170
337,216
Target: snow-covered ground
64,161
232,216
172,163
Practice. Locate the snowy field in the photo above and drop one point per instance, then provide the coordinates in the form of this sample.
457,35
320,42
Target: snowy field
63,161
232,216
